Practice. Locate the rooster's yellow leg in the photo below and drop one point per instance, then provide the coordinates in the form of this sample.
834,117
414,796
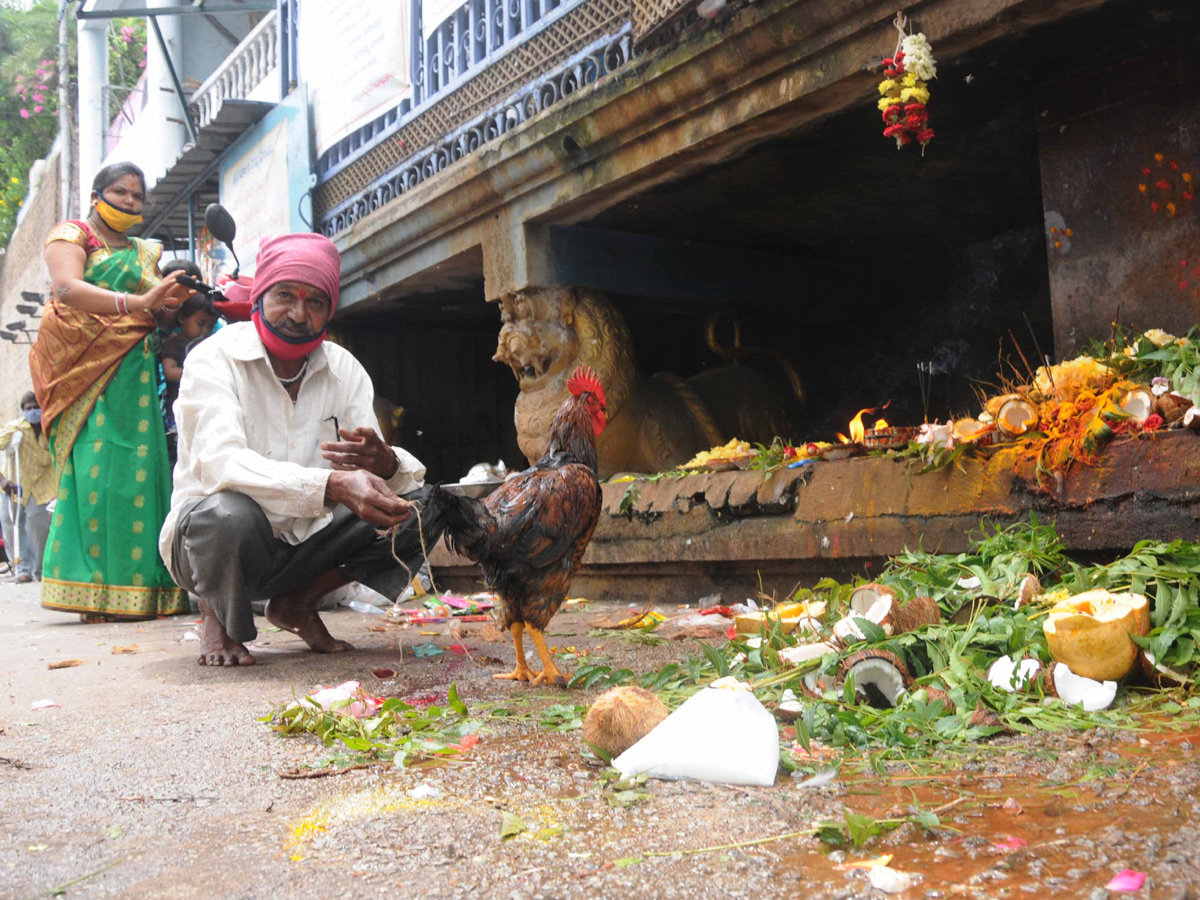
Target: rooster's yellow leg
522,672
549,673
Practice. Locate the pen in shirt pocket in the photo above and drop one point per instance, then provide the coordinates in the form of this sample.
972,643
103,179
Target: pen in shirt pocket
336,430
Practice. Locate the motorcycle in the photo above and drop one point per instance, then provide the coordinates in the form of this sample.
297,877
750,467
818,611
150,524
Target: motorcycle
230,296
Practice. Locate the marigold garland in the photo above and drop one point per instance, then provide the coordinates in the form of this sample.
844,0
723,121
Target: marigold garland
904,90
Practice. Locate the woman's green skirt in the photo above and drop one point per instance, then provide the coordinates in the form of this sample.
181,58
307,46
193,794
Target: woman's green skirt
102,552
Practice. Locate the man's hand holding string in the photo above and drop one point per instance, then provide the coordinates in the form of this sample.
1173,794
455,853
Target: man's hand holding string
368,497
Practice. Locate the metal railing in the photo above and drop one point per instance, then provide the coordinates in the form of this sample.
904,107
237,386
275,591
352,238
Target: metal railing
487,67
247,66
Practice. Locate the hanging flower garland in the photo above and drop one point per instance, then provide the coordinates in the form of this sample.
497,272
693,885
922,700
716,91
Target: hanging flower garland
905,89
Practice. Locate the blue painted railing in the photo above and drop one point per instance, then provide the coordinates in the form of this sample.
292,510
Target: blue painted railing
476,35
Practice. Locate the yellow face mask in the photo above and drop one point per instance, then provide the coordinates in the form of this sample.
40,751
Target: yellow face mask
116,219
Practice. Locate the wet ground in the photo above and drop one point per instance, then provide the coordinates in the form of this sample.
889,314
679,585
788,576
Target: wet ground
152,778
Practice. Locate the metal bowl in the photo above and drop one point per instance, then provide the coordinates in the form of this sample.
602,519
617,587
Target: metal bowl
474,490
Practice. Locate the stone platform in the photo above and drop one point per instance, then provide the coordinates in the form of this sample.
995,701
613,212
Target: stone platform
679,539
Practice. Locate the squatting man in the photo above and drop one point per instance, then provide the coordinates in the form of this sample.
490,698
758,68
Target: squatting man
282,484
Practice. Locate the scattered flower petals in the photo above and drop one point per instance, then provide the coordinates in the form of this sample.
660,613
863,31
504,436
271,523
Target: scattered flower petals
873,863
1127,880
1010,843
42,704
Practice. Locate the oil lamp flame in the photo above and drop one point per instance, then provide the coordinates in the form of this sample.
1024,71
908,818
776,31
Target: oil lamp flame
857,429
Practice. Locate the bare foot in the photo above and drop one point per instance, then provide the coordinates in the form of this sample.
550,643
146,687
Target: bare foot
219,649
301,618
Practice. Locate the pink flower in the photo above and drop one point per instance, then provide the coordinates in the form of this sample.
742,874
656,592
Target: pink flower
24,114
1010,843
38,109
126,34
20,78
38,97
142,64
1126,880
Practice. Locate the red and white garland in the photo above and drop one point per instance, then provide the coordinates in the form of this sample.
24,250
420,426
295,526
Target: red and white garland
905,89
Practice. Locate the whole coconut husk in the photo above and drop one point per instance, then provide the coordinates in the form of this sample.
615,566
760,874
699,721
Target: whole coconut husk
916,613
621,717
948,707
984,718
1172,406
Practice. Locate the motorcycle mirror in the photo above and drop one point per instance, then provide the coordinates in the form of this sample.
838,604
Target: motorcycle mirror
220,225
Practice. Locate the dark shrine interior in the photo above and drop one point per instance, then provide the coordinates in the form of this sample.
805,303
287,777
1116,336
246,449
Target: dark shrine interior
906,259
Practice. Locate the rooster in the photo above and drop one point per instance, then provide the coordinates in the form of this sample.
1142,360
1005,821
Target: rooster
529,534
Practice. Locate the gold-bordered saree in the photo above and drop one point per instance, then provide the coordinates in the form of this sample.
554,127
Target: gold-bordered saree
96,379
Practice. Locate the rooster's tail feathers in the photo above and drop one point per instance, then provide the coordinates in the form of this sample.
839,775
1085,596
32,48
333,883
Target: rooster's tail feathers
464,521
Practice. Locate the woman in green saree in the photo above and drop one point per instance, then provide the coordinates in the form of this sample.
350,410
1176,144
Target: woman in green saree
94,371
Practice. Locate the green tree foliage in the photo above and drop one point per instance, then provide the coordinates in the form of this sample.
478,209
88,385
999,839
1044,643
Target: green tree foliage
28,98
29,81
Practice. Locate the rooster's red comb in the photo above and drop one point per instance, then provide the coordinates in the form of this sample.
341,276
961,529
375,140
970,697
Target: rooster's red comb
585,380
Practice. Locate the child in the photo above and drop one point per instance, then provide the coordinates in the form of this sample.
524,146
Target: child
196,318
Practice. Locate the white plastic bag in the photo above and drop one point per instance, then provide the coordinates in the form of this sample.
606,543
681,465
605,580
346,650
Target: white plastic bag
721,735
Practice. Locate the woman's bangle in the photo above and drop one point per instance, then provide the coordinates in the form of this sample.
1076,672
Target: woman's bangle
121,301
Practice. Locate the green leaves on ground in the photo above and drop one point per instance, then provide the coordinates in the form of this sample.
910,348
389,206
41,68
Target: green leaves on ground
398,731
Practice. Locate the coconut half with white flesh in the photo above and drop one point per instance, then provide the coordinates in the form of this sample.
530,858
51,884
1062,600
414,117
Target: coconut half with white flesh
880,677
1074,690
1090,633
1138,404
876,603
1008,675
1162,677
789,708
795,656
1191,418
1017,416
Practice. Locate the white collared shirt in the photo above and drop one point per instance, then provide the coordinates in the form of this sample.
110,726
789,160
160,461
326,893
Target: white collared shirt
239,431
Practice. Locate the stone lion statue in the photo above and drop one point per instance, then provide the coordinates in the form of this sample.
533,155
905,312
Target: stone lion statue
654,423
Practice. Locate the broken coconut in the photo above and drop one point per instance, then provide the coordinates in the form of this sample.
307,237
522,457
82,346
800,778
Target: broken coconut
1138,404
621,717
1030,588
1059,681
1017,416
795,656
1172,406
789,708
880,677
1008,675
1090,633
879,605
1162,677
973,431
